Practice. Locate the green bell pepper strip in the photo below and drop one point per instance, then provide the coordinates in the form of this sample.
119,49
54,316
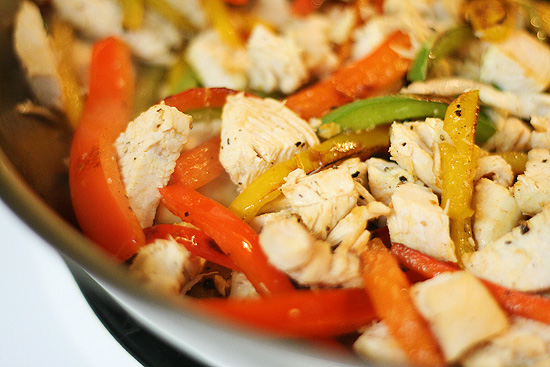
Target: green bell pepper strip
440,47
266,187
371,112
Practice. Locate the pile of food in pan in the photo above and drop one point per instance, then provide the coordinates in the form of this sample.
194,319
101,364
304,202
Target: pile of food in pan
371,172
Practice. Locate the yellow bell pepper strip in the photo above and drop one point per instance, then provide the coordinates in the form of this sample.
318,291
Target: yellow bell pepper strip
371,112
516,160
304,8
174,16
236,238
303,313
97,192
266,187
194,240
389,291
519,303
458,164
221,21
491,20
133,12
444,44
63,39
378,73
539,16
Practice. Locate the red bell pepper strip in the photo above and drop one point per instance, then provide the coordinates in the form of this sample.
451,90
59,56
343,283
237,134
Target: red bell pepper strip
236,2
194,240
233,235
524,304
375,74
389,291
97,192
198,166
305,7
199,98
303,313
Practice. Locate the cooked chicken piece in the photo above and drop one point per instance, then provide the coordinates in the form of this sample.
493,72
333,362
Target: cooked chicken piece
460,311
217,63
370,36
520,63
343,20
241,287
311,35
94,18
495,168
258,133
419,222
384,176
321,199
525,343
291,248
496,212
33,48
540,137
512,134
275,12
415,147
192,10
166,266
532,188
377,346
517,260
522,105
147,154
155,42
275,62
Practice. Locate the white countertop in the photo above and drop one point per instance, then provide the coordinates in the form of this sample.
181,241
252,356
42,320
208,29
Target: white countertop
44,318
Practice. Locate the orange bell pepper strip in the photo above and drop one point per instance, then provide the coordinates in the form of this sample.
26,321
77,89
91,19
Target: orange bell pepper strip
524,304
305,7
389,291
194,240
375,74
232,235
97,192
198,166
303,313
199,98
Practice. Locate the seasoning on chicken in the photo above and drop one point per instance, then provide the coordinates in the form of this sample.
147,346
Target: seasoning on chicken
518,259
148,151
384,177
258,133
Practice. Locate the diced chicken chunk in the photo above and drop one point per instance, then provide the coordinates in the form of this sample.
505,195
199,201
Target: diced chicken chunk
525,343
241,287
321,199
166,266
376,345
415,147
496,212
383,178
147,154
512,134
258,133
32,46
451,301
495,168
532,188
217,63
520,63
291,248
517,260
275,12
275,62
311,35
540,137
419,222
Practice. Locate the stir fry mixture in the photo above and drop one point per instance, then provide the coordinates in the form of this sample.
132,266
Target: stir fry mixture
378,170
